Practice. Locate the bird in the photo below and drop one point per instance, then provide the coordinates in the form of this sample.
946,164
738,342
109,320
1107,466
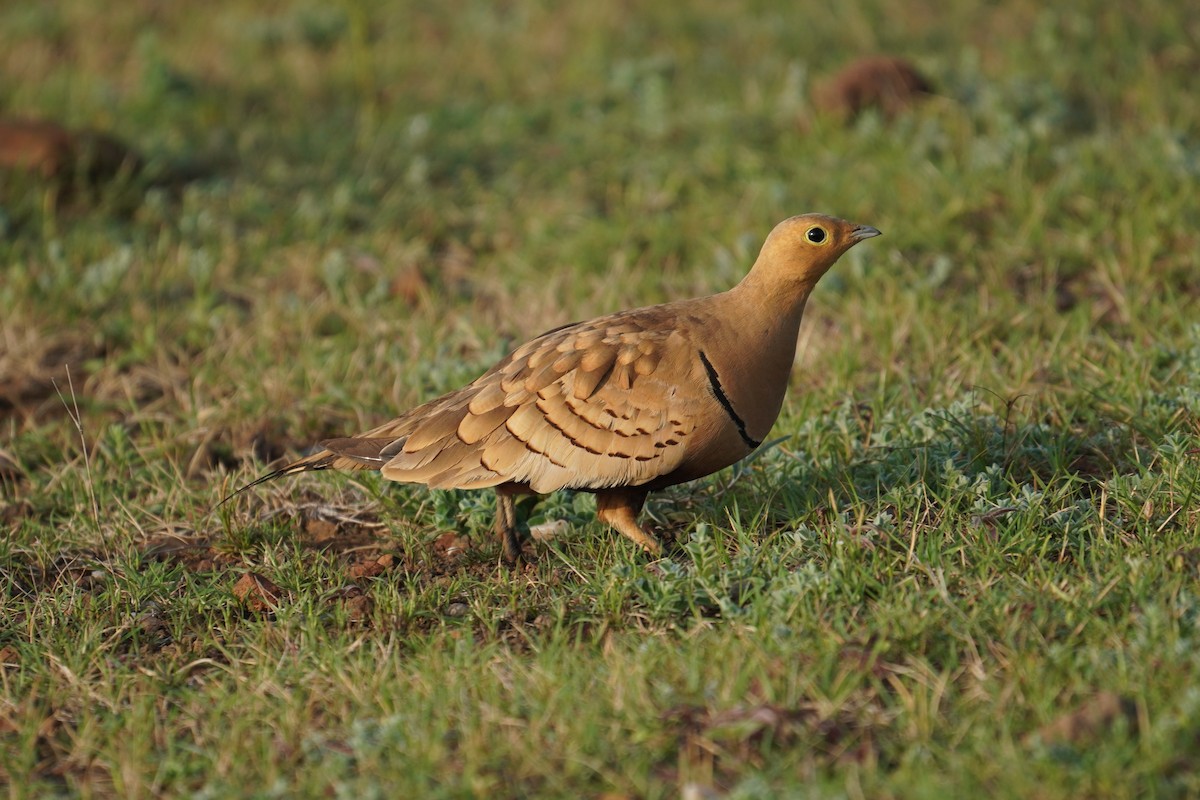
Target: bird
620,405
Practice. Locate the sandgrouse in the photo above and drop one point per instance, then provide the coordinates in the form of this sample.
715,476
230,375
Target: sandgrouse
619,405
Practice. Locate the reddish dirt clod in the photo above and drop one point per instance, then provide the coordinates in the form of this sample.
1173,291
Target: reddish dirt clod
257,593
887,83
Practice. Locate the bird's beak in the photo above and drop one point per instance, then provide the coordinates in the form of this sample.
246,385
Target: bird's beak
861,232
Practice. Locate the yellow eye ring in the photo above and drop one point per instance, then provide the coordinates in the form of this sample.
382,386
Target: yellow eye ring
816,235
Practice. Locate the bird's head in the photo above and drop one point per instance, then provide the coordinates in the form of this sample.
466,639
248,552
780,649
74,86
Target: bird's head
801,249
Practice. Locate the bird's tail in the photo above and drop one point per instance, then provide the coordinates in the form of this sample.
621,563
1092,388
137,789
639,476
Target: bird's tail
352,453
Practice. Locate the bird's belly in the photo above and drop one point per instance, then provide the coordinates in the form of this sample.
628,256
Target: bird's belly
723,447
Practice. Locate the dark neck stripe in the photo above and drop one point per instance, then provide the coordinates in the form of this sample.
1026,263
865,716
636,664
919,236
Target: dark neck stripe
715,384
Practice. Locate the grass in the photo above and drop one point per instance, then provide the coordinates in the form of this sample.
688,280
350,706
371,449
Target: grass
979,518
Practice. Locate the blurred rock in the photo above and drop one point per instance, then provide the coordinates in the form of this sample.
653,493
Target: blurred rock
320,530
409,285
699,791
9,657
73,164
64,156
887,83
451,544
546,531
1089,720
364,569
357,604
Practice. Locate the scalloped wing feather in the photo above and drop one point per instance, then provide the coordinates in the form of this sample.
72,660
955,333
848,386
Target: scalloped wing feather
606,403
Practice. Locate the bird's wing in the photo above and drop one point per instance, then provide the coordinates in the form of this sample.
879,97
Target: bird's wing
610,402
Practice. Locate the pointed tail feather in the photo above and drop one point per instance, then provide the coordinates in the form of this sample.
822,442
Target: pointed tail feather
322,460
351,453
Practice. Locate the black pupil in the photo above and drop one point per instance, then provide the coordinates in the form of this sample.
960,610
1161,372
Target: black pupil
816,235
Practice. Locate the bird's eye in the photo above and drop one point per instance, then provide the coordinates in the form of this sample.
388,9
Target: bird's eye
816,234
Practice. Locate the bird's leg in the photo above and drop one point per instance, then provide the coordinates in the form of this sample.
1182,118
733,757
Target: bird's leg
506,527
619,508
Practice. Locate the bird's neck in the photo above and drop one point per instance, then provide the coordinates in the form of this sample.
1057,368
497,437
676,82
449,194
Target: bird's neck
784,295
759,353
769,323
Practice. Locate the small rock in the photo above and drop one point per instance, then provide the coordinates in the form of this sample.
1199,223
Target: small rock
451,544
888,83
410,285
359,608
387,561
357,603
1090,719
9,657
12,513
368,569
62,155
257,593
546,531
457,610
698,791
321,530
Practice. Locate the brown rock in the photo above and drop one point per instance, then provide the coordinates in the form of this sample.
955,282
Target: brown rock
364,569
885,82
451,544
55,153
357,603
409,285
257,593
358,607
1088,720
321,530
